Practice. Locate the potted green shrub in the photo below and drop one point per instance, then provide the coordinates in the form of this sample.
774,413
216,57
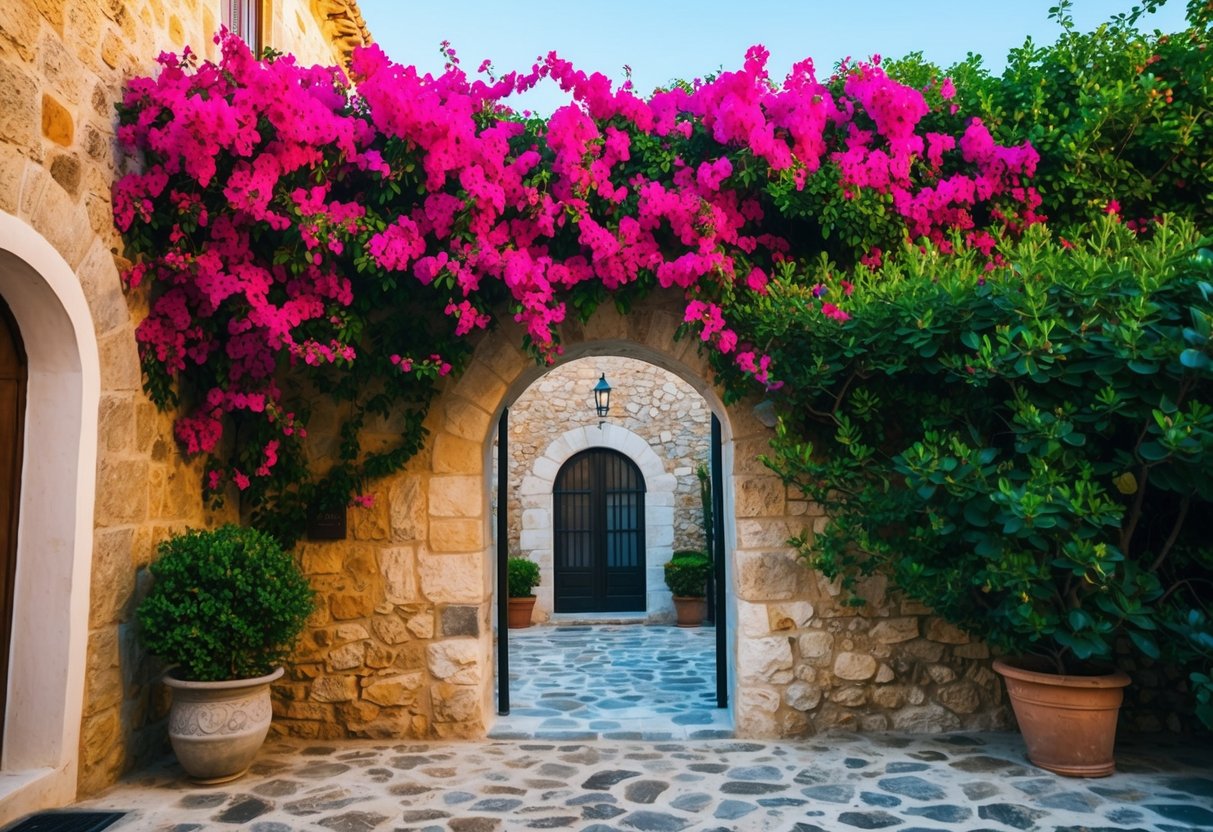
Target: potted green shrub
686,574
1024,451
522,577
224,610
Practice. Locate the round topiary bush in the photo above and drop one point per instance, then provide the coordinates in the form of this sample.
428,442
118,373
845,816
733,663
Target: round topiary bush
227,603
522,577
686,574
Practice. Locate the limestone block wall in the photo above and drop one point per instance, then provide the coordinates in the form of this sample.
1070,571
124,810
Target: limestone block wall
656,419
403,644
63,65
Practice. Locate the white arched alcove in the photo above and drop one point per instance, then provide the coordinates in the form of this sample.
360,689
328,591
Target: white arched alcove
535,491
55,525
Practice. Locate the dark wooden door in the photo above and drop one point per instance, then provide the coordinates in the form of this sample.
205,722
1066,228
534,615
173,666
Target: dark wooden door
12,420
598,511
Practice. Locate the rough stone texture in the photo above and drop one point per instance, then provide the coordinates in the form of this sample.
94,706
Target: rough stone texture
657,407
63,66
392,650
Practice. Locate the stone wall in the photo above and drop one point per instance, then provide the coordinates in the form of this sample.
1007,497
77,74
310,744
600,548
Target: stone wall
403,644
63,65
656,407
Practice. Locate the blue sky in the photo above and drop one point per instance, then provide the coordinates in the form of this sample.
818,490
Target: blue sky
662,40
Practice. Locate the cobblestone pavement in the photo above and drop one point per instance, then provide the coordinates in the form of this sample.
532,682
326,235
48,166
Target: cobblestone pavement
624,682
835,782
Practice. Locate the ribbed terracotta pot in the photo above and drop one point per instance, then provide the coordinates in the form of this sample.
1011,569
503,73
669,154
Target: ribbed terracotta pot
690,611
216,728
520,610
1068,722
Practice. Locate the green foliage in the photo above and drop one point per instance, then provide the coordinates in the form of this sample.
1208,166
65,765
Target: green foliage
226,604
1117,115
686,574
522,576
1025,450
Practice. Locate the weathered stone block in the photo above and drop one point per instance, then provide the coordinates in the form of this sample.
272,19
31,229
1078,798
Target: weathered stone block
895,630
422,625
456,455
802,696
456,496
815,645
455,660
394,691
347,605
347,657
456,535
854,667
406,500
456,702
389,629
768,575
460,621
322,558
960,698
399,576
335,689
764,660
941,631
451,579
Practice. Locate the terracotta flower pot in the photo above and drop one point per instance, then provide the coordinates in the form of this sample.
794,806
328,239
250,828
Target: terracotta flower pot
1067,722
520,612
690,611
216,728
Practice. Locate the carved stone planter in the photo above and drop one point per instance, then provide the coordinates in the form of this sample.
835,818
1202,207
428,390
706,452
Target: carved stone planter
216,728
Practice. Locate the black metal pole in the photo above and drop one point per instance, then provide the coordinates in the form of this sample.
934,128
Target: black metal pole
503,555
718,556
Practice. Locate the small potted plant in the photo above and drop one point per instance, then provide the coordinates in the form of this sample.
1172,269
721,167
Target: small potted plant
686,574
224,610
521,578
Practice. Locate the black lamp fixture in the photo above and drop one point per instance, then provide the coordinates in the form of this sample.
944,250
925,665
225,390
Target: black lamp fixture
602,398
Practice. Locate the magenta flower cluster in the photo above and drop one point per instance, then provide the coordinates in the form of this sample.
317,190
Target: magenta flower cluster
270,190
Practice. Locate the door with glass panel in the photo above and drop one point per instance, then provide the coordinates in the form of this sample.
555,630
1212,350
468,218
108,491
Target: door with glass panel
598,534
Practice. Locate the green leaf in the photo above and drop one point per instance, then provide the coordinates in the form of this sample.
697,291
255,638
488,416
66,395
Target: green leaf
1145,644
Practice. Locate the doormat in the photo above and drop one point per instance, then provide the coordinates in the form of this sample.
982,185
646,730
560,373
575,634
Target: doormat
66,822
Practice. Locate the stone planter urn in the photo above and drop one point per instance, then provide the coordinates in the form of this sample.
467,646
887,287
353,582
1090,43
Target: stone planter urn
216,728
1068,722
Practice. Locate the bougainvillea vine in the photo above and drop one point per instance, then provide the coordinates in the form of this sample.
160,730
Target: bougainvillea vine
299,233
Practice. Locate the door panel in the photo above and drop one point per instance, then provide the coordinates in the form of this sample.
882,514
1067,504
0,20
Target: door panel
12,419
598,502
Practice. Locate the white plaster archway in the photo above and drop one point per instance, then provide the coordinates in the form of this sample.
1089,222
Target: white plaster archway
55,526
535,490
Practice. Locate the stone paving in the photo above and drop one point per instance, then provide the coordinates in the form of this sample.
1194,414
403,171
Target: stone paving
831,782
625,682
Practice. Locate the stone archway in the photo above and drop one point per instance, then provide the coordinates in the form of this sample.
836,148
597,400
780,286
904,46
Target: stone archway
55,531
759,565
536,493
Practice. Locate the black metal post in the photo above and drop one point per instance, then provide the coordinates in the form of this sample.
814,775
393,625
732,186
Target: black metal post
503,555
718,556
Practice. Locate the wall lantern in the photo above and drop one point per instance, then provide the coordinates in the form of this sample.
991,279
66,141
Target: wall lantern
602,398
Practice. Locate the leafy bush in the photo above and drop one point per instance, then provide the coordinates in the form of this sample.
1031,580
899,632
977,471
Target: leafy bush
686,574
226,604
1120,117
522,576
1024,450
